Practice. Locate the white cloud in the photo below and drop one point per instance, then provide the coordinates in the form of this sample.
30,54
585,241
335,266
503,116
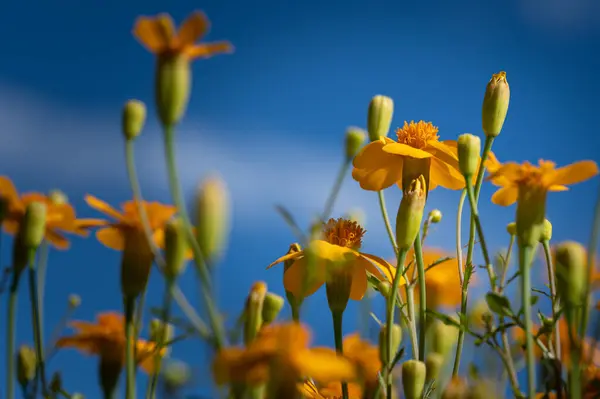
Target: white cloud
562,15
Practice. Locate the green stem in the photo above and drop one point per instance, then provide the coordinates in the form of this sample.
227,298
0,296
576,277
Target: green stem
591,253
391,305
335,191
214,318
574,375
422,296
41,280
339,346
130,347
553,298
525,260
482,242
36,322
10,335
386,220
166,314
464,284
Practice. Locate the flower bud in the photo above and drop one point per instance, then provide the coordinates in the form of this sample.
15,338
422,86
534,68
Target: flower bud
176,247
272,305
469,151
77,395
435,216
479,314
26,365
511,228
213,216
443,338
57,197
379,119
355,138
176,374
74,301
546,231
136,263
433,364
413,378
410,213
56,383
160,332
253,313
33,226
385,288
457,388
396,341
172,90
133,119
495,104
571,272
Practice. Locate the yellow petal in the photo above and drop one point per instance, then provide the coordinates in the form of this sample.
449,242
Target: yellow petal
575,173
443,152
324,365
103,207
359,282
290,256
556,188
153,34
8,190
330,252
294,278
382,267
207,50
405,150
508,172
56,239
445,176
111,237
375,169
88,345
192,29
505,196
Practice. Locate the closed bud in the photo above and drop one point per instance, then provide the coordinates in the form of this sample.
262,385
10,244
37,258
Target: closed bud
213,214
161,332
175,375
26,365
253,320
56,383
176,247
133,119
410,213
34,225
355,138
546,231
435,216
57,197
443,338
74,301
495,104
511,228
413,378
433,364
385,288
172,90
379,119
396,341
571,272
469,150
272,305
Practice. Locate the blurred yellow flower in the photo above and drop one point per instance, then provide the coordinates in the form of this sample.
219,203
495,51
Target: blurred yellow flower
379,164
106,338
332,390
60,217
341,242
283,349
158,35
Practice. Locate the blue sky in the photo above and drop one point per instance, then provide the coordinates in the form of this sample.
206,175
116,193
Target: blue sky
270,119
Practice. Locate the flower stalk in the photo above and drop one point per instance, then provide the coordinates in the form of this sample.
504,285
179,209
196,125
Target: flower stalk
422,296
129,304
337,316
525,260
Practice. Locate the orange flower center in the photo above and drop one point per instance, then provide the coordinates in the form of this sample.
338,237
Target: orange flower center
417,134
344,233
532,175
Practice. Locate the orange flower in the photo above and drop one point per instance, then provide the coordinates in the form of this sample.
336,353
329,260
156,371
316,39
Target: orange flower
341,242
60,217
332,390
281,353
158,35
379,164
106,338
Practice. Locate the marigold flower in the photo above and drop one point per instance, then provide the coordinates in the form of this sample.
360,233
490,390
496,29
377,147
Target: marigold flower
341,242
60,218
332,390
106,338
380,164
365,356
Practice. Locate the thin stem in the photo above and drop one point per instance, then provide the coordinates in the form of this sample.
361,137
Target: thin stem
35,313
482,242
386,220
42,268
525,260
464,284
214,318
422,296
553,298
591,254
391,305
339,346
574,375
502,281
410,304
166,314
335,191
130,347
10,335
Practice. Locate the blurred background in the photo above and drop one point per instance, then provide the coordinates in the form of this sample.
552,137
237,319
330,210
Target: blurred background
270,119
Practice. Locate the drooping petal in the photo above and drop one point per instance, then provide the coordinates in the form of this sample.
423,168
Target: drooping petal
382,267
289,256
445,176
56,239
359,282
375,169
405,150
103,207
146,355
207,50
192,29
324,365
8,190
111,237
508,172
299,282
87,345
574,173
153,33
442,152
505,196
556,188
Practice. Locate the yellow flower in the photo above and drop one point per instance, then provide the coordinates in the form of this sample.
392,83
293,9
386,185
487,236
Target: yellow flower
546,177
60,217
379,165
158,35
106,338
341,242
282,349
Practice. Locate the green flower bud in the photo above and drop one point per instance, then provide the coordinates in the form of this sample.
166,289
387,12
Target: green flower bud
546,231
172,91
161,332
571,272
385,288
57,197
176,375
254,309
74,301
413,378
213,214
495,104
272,305
469,151
176,247
479,314
511,228
26,365
443,338
434,363
396,341
133,119
355,138
33,226
379,119
410,213
435,216
77,395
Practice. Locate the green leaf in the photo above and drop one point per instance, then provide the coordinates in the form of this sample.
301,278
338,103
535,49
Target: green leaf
498,304
447,320
534,300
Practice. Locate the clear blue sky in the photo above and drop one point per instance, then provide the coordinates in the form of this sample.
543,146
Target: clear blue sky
271,117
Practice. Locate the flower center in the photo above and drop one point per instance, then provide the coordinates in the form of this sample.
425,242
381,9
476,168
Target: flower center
532,175
417,134
344,233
